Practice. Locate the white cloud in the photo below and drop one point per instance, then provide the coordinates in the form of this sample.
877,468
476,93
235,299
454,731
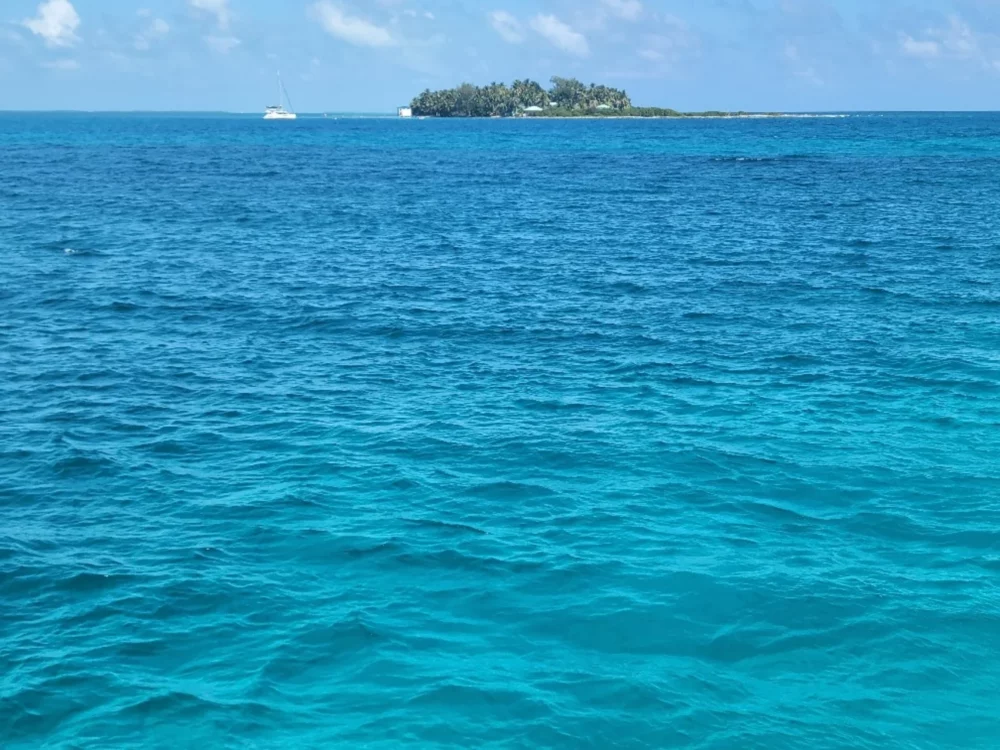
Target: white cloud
958,41
222,44
156,29
428,15
351,29
802,71
218,8
12,36
915,48
959,38
810,76
56,22
673,43
62,65
508,27
561,35
630,10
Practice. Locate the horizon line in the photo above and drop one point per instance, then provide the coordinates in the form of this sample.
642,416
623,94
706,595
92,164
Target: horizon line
392,113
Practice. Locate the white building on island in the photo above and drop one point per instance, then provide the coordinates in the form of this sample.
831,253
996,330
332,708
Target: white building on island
404,111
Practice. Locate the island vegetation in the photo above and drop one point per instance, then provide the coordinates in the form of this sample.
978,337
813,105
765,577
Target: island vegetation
566,97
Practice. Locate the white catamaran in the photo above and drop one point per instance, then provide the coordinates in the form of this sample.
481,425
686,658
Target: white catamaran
278,111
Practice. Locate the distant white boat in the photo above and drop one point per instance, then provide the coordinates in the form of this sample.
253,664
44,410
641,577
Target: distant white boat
278,111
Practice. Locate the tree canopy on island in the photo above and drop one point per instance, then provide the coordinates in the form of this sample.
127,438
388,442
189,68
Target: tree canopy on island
500,100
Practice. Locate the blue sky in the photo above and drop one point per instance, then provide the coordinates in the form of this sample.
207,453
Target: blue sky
370,55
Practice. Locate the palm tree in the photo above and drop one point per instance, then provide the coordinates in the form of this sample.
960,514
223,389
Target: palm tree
468,100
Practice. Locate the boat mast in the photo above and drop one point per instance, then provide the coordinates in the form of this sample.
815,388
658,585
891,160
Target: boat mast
279,88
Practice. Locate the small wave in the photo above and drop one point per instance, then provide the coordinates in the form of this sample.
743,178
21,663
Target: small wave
510,490
797,359
83,465
762,159
983,302
629,287
456,560
352,632
88,582
166,447
632,369
549,405
880,291
814,116
77,251
477,699
431,523
390,548
172,703
320,324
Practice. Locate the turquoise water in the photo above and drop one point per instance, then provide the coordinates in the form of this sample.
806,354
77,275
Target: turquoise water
499,434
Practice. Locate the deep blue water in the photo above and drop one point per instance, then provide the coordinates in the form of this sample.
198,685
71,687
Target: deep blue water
499,434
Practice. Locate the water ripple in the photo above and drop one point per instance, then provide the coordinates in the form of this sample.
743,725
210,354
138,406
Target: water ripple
365,433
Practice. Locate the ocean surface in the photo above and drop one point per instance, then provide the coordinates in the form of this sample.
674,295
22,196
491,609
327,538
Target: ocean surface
371,433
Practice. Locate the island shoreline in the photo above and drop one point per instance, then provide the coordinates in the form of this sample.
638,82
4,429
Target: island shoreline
565,99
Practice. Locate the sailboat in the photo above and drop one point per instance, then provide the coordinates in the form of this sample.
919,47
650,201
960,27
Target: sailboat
278,111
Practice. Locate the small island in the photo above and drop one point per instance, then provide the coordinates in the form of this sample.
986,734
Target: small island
567,97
